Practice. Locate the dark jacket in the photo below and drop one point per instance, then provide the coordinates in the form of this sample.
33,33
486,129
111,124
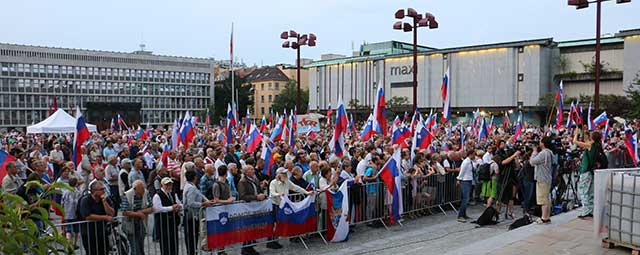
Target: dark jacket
248,190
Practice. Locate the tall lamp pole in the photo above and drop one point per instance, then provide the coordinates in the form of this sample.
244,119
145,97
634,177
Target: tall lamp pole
581,4
418,21
299,41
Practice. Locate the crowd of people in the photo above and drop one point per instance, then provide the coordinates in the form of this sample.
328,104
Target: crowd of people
121,176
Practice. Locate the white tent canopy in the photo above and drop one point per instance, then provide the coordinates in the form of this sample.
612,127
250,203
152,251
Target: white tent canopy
59,122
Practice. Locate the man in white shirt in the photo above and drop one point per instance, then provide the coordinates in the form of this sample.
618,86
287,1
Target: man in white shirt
465,181
57,158
166,207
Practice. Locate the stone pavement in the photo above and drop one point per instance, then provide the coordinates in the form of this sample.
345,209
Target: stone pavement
565,235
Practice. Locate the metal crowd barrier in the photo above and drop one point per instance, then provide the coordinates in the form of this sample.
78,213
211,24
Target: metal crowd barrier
164,233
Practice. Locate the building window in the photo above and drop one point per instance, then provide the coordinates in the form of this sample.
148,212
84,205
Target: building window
262,99
270,98
262,110
270,86
277,86
262,86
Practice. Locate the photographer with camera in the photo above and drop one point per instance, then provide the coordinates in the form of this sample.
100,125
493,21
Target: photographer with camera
592,158
507,176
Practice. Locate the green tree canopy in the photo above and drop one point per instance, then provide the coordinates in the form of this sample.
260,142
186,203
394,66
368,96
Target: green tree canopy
287,99
218,110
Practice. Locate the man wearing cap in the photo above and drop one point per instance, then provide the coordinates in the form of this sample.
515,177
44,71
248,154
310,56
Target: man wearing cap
167,206
278,188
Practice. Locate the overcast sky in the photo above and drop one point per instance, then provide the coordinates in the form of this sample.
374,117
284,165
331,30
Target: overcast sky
202,28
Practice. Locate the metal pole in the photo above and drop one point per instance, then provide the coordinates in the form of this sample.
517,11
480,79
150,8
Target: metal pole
596,96
298,75
415,64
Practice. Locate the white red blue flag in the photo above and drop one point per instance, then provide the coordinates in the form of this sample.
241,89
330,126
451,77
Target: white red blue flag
391,176
175,135
231,122
296,218
4,159
367,129
186,131
399,134
263,124
339,131
338,214
446,97
601,119
276,133
379,112
141,134
238,222
570,117
113,125
518,128
267,155
483,132
80,136
253,139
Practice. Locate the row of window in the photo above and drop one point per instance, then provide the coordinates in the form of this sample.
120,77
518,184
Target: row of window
77,57
100,88
277,86
81,72
262,98
14,118
8,101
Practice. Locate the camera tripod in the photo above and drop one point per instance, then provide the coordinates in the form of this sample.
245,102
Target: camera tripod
567,187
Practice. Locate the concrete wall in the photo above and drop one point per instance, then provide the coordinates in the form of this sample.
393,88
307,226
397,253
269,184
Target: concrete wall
631,60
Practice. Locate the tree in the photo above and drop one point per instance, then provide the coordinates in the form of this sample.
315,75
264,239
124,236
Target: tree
19,233
396,102
223,94
633,92
288,98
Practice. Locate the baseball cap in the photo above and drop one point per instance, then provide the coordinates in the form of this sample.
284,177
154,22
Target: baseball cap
125,161
166,180
282,170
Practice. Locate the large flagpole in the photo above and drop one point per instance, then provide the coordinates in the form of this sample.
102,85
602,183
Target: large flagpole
233,87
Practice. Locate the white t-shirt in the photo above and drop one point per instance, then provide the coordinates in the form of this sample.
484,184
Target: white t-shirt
362,165
486,158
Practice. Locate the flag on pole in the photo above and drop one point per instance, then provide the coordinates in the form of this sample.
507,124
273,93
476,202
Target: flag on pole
601,119
267,155
186,131
505,121
296,218
254,139
231,122
4,159
175,135
113,125
367,129
263,124
80,136
276,133
379,112
446,97
339,130
518,128
391,176
338,214
483,132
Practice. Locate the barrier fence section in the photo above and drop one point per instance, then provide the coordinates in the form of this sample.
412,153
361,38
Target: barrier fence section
185,232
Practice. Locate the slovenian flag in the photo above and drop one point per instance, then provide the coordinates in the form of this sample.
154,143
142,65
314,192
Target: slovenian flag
338,214
446,97
379,112
339,131
231,122
141,134
81,135
263,124
267,155
276,134
391,177
367,129
601,119
254,139
484,132
631,143
296,218
238,222
518,128
186,131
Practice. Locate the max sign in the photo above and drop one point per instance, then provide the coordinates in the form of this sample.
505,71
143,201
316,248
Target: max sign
307,122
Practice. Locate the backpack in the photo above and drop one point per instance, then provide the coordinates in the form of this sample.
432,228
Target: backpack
81,202
484,172
488,217
525,220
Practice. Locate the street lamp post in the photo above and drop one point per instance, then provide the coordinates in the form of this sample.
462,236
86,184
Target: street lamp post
300,40
581,4
418,21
